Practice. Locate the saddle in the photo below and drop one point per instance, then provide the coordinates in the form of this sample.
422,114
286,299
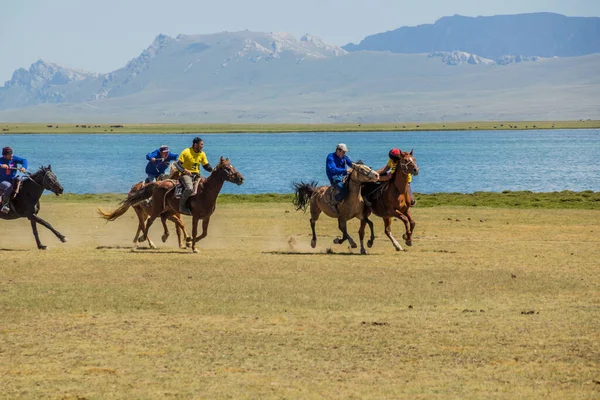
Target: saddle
373,190
16,183
179,188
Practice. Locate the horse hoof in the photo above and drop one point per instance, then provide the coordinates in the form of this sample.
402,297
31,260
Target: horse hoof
370,244
353,245
404,236
336,241
164,238
363,251
142,239
196,251
64,240
408,242
398,248
313,243
42,247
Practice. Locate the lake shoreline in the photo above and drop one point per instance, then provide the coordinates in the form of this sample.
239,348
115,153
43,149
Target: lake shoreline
107,128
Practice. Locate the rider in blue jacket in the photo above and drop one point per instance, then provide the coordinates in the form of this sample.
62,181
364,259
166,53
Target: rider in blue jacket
8,172
337,166
158,162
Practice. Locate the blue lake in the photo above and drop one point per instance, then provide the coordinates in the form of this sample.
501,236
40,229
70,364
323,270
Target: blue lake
465,161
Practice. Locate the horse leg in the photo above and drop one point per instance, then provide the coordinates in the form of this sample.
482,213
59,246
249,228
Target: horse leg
141,217
343,228
411,222
181,233
372,238
205,222
361,235
35,233
387,222
194,233
315,211
48,226
165,236
407,236
148,225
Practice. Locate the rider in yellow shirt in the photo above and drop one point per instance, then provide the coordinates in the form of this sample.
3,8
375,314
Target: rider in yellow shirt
385,173
188,165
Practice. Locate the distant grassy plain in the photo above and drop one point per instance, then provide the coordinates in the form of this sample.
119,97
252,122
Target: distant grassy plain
489,302
276,128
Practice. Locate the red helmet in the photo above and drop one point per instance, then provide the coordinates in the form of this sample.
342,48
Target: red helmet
394,154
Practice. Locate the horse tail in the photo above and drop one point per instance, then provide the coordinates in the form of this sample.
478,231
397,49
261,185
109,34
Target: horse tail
302,193
135,197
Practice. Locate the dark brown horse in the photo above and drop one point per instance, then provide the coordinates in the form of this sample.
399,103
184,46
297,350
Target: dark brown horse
392,199
202,204
351,207
26,203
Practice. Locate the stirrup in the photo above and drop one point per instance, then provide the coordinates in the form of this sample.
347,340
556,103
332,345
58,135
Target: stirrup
185,210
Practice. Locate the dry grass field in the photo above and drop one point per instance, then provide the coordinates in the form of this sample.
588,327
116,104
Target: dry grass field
487,303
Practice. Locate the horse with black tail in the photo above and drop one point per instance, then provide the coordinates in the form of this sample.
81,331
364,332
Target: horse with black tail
351,207
26,202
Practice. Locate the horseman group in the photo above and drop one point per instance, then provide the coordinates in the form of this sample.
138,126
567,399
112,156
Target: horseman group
356,191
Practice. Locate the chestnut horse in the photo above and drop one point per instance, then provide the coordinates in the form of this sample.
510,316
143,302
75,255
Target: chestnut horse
202,204
351,207
143,210
392,199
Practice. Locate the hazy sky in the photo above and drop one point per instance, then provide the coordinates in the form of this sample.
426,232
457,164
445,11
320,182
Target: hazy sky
102,35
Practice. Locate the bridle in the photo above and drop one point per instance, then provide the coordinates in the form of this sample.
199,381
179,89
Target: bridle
364,170
50,183
405,165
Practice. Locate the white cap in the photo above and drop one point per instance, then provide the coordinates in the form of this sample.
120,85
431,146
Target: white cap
342,147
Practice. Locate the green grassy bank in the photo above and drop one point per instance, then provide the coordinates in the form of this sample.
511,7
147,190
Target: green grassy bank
586,200
85,127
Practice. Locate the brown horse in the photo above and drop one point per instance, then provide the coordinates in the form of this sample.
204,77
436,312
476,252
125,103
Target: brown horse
202,204
143,210
392,199
351,207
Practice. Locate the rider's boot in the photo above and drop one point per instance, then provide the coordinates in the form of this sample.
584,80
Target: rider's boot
183,204
5,203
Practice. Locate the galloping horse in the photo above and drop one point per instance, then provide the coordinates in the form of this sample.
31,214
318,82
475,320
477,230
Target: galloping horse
26,202
351,207
392,200
143,210
202,204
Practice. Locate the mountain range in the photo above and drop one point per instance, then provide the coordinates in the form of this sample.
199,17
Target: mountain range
522,67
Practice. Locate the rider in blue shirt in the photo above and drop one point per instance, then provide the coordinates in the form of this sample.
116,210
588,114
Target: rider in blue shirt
8,171
158,162
337,166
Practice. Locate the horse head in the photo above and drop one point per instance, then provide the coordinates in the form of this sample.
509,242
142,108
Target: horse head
407,163
46,179
363,173
229,171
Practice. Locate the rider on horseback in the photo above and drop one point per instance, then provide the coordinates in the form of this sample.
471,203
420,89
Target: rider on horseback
337,166
158,162
8,172
385,173
188,165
